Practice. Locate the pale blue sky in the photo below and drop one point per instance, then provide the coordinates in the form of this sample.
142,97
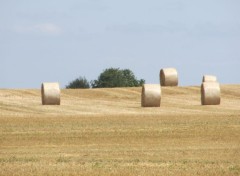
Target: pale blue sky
59,40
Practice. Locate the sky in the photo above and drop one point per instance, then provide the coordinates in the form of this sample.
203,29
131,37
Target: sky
59,40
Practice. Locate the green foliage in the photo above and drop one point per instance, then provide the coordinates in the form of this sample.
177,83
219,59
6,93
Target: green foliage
80,82
115,77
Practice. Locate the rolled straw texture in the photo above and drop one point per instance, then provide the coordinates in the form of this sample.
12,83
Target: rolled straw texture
168,77
209,78
50,93
151,95
210,93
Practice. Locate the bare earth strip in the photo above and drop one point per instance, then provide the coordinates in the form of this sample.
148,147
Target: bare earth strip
106,132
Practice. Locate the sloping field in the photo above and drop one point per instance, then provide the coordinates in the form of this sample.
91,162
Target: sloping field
106,132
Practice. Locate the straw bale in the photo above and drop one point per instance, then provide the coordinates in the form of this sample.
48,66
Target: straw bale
210,93
50,93
151,95
168,77
209,78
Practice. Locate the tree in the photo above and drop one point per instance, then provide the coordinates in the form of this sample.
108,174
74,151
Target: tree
80,82
115,77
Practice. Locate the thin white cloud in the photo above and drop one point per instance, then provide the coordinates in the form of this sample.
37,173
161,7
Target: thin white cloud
48,28
44,28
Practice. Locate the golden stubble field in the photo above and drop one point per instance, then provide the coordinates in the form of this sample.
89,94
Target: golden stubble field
106,132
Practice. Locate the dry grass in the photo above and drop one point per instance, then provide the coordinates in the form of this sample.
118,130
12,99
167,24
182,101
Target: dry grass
106,132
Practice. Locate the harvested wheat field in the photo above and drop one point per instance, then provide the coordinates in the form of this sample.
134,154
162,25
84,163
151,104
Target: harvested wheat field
107,132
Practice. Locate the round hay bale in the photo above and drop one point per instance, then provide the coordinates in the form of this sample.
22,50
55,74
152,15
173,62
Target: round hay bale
210,93
209,78
168,77
50,94
151,95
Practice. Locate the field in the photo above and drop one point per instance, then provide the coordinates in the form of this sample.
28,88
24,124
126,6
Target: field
106,132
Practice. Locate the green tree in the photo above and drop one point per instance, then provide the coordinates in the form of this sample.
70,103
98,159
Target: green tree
80,82
115,77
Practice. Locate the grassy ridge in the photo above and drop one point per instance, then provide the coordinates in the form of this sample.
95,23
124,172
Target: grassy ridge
106,132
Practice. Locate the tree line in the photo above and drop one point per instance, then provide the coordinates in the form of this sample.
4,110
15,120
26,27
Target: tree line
111,77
